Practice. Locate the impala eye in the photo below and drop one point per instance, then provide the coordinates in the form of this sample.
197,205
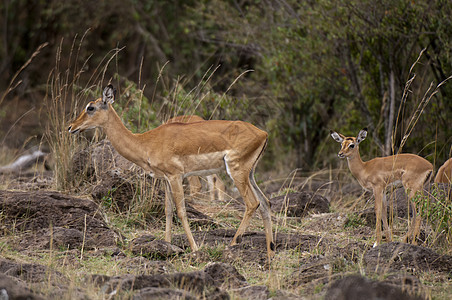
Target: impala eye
352,146
90,108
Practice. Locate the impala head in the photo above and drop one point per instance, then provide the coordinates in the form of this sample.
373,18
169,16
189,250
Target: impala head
349,145
95,113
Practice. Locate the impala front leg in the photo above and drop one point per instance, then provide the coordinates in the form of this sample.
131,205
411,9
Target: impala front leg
378,213
216,187
195,186
177,189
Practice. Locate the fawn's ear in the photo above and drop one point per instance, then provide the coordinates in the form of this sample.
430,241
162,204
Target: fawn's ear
108,95
337,136
361,135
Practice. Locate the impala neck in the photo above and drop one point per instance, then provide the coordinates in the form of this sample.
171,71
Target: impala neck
123,140
355,164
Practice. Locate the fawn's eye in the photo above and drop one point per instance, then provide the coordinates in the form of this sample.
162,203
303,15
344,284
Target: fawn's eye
352,146
90,108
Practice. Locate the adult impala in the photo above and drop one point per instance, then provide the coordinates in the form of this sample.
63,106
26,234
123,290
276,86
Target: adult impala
177,150
214,183
374,175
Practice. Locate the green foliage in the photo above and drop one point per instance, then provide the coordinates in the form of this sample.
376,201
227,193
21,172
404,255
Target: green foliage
436,209
215,253
204,101
354,220
317,65
135,108
327,64
107,200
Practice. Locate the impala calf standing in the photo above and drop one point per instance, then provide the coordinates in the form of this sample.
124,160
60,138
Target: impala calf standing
177,150
374,175
444,174
215,184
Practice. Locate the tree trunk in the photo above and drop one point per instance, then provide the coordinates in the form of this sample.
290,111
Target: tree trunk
390,123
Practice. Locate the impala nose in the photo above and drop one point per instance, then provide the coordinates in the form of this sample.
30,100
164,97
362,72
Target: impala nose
341,155
70,129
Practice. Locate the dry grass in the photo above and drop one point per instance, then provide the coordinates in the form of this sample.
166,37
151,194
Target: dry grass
64,95
279,275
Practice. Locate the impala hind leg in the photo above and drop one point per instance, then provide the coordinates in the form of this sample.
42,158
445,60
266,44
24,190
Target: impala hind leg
266,216
254,198
251,205
177,190
412,187
415,222
378,195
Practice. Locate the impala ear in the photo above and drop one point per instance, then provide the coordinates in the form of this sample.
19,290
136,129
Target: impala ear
108,96
361,135
337,136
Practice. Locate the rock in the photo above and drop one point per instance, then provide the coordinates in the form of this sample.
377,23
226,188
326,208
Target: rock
28,272
49,213
57,238
198,284
116,180
285,295
394,256
300,204
316,268
143,266
11,288
163,293
114,191
148,246
98,159
225,276
257,292
356,287
104,157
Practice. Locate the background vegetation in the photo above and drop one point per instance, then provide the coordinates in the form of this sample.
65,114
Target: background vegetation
294,68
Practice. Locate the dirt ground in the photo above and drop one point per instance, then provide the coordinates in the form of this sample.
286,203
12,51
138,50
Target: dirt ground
55,245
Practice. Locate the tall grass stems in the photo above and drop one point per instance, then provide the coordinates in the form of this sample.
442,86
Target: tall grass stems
63,95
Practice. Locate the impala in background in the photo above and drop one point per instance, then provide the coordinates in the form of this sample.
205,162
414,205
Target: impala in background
444,174
215,185
374,175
